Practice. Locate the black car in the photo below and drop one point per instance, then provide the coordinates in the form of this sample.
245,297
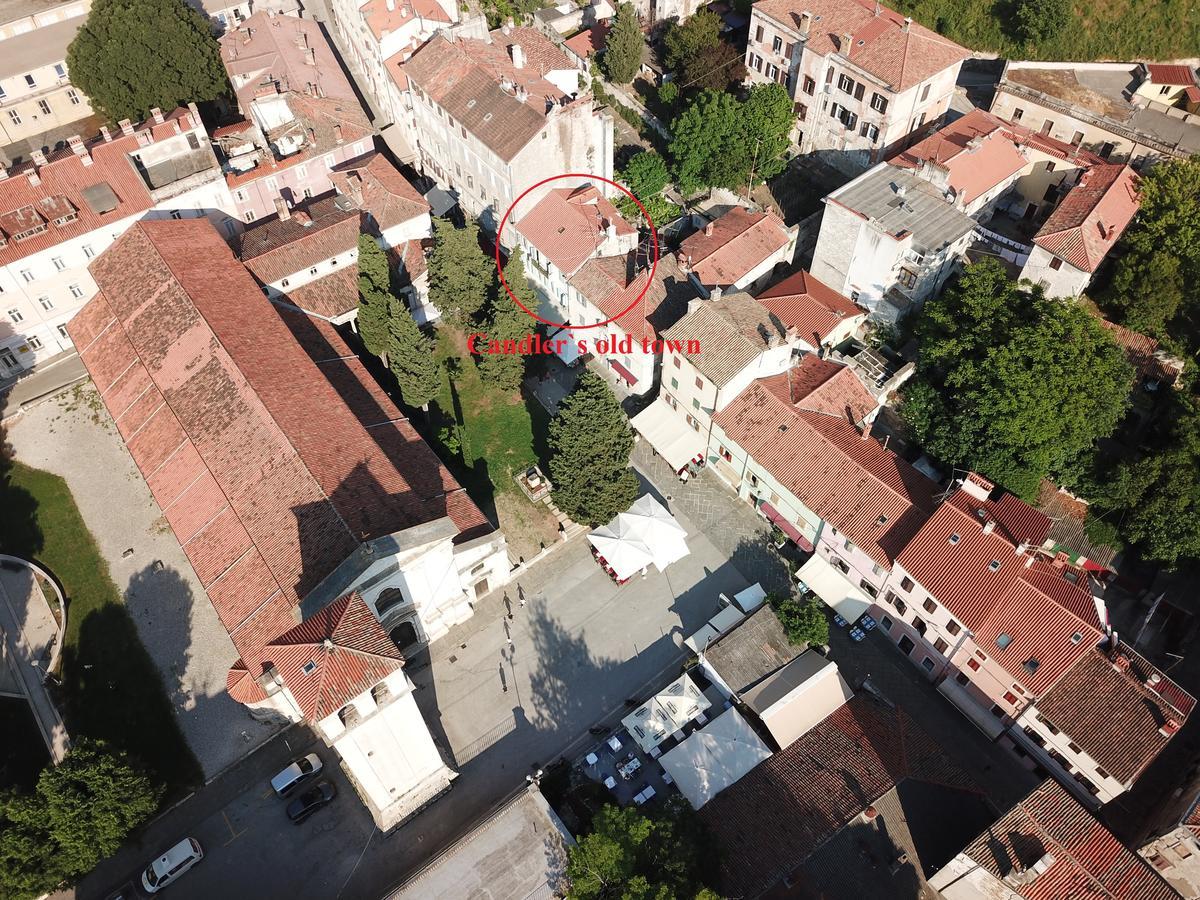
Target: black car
310,801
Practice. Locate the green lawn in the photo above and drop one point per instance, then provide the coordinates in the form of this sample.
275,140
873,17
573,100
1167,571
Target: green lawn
110,687
1101,30
494,428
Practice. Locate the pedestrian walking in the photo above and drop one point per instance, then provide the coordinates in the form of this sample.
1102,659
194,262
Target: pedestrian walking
521,594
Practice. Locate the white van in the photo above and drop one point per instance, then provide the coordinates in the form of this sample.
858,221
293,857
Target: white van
171,865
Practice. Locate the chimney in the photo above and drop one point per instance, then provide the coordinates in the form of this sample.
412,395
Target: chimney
157,115
281,209
1169,727
126,127
1121,663
522,94
518,56
989,526
1029,561
907,23
104,133
75,142
805,25
715,294
847,43
303,218
708,229
337,132
310,56
391,5
38,157
354,186
866,429
870,813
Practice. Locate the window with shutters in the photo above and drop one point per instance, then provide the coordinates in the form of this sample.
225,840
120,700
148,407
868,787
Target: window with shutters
808,85
776,44
858,92
925,93
879,103
758,34
940,646
953,627
845,83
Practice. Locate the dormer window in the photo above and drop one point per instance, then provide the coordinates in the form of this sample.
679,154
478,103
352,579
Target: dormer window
994,565
309,667
955,538
1003,640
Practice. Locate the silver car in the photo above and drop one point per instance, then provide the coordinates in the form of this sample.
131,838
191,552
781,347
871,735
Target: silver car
297,772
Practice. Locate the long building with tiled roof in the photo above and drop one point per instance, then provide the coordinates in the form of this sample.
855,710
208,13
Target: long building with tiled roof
813,473
738,251
287,475
818,314
58,212
863,77
1048,847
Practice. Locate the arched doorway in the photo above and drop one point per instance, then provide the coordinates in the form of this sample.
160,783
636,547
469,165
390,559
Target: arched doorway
404,635
387,599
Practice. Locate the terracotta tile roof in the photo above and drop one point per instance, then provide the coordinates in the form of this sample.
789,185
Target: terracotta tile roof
568,225
1089,862
380,189
589,41
276,49
116,188
880,44
605,283
732,332
1113,705
333,656
467,78
730,247
994,590
1168,74
330,296
980,150
1142,351
770,821
809,306
870,494
382,20
244,396
1094,214
821,386
275,248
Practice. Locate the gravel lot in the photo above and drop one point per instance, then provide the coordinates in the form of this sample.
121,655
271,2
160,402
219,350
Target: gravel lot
72,436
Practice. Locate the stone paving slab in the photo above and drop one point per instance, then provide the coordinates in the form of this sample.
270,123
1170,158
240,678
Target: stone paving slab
73,436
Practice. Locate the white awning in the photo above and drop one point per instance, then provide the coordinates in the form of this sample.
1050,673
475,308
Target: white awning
665,713
668,433
646,534
715,627
714,757
832,586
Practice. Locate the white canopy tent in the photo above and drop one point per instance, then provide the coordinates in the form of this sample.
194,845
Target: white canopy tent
669,434
714,757
665,713
832,586
646,534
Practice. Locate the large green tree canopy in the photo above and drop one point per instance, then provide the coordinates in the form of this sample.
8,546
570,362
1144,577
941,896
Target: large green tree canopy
460,275
131,56
720,141
1157,274
1011,384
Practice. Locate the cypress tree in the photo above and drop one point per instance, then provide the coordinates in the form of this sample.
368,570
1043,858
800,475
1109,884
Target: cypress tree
374,297
508,322
412,358
460,275
623,53
590,444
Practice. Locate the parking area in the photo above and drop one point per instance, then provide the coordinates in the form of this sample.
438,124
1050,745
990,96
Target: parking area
73,436
247,837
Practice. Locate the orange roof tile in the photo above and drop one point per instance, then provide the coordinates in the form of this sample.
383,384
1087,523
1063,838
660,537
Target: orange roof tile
818,385
865,491
1095,213
880,44
568,225
605,283
809,306
731,246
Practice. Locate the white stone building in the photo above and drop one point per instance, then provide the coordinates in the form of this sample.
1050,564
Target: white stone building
57,214
37,98
889,240
863,77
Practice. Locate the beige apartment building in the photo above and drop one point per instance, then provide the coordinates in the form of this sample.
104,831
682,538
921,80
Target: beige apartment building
36,94
863,77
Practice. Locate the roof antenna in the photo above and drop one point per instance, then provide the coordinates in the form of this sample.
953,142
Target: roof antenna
878,8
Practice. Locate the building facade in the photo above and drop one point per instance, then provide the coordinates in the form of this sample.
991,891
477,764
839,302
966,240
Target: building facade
863,77
58,214
36,94
889,240
489,119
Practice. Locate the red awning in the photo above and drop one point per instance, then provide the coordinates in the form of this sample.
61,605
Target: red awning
623,372
786,527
